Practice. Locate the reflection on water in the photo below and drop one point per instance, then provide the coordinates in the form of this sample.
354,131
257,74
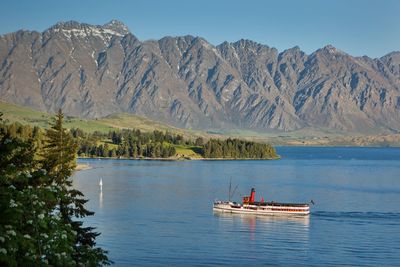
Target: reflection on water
101,199
101,194
303,221
160,213
294,227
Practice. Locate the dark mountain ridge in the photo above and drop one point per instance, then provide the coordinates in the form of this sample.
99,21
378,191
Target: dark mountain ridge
92,71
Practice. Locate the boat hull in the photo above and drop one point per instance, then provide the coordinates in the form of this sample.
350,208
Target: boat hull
266,209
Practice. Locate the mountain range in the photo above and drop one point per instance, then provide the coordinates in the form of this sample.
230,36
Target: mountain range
92,71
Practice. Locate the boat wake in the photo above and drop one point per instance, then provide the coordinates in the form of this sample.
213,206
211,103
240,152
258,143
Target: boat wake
357,215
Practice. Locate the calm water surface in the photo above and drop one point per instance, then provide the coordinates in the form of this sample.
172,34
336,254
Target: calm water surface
153,213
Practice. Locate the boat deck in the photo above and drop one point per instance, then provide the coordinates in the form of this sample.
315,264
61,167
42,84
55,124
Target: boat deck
264,208
278,204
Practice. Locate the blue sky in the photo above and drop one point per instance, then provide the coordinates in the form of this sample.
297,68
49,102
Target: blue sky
358,27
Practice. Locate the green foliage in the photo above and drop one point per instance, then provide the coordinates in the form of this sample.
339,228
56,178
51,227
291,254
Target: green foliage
157,144
38,207
25,115
134,143
238,149
199,141
59,152
127,144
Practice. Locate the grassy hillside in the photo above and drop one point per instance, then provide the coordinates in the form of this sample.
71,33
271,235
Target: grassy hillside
306,136
24,115
129,121
188,151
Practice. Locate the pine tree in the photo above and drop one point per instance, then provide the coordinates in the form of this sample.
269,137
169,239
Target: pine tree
199,141
106,150
59,160
31,233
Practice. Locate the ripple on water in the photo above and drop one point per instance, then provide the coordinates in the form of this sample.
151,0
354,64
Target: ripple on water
157,213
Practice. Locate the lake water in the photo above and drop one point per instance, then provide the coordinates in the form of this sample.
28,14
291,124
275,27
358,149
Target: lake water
153,213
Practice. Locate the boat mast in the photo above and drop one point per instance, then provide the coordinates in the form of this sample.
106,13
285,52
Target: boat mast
230,187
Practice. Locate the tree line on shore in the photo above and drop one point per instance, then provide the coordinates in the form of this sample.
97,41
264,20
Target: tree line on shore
133,143
127,143
237,149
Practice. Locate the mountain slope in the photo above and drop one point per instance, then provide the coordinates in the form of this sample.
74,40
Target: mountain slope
28,116
92,71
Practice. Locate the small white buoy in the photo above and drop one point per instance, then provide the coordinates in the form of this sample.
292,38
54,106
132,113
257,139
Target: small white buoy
101,184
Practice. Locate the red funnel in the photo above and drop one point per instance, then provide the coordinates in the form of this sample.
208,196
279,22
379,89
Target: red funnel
252,195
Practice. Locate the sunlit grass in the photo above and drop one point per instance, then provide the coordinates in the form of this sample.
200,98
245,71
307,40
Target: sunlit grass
188,151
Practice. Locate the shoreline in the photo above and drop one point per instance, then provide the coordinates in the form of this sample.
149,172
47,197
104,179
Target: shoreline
82,166
170,159
85,166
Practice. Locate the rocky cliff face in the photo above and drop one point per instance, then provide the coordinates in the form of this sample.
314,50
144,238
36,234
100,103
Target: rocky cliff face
93,71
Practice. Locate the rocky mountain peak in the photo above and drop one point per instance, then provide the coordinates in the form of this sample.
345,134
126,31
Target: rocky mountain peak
66,25
292,51
330,49
247,44
393,57
77,29
117,26
203,42
392,60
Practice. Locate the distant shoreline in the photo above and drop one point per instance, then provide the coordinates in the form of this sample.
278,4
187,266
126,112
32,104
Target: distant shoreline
83,166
